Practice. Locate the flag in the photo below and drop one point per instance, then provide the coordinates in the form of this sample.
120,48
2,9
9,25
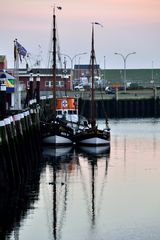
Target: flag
98,24
18,48
15,52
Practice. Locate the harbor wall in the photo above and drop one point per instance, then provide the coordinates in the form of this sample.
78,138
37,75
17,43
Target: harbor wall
122,108
19,147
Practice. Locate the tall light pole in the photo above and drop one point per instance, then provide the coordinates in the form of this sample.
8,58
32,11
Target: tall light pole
71,59
124,60
104,67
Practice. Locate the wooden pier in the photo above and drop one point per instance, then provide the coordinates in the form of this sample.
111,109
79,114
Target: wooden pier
19,147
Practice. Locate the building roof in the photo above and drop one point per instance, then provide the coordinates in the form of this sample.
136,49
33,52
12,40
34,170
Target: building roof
86,66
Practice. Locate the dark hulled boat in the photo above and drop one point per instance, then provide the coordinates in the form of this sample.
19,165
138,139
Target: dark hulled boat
91,135
55,132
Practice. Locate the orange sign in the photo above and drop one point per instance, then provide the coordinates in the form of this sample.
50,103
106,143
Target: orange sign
66,103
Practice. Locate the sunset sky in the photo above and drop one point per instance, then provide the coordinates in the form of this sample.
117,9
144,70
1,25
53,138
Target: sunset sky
128,26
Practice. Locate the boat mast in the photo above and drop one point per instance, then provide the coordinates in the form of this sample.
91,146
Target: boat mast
92,88
54,62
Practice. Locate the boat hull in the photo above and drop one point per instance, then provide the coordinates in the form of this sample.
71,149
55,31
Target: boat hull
56,134
93,138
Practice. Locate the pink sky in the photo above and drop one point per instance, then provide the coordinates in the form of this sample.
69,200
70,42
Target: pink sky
129,25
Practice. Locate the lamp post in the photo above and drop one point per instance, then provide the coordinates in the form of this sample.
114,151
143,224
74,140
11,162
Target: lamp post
38,87
71,59
31,86
124,60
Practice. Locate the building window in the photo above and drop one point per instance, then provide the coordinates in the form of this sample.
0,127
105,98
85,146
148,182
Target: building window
47,83
61,83
50,83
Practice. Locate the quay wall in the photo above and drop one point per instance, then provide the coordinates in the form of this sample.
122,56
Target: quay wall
122,108
19,147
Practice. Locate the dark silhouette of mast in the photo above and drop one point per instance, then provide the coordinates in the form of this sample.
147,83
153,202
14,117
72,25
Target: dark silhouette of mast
54,203
93,163
54,62
54,113
93,112
92,68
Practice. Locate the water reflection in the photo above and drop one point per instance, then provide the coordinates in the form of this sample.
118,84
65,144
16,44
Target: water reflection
94,163
14,206
61,161
82,195
63,165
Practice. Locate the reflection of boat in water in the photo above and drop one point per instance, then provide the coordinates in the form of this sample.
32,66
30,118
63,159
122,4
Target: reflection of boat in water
97,179
60,165
91,135
95,150
88,173
48,151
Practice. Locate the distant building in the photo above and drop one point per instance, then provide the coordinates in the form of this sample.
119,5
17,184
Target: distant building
63,79
84,70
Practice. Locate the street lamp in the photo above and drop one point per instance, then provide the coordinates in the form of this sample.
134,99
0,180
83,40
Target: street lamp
71,59
125,59
31,86
38,87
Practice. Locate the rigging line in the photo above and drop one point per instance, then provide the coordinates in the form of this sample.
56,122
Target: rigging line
49,53
58,48
83,106
59,57
102,98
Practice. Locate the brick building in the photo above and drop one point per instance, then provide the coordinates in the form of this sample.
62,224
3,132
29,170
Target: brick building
63,79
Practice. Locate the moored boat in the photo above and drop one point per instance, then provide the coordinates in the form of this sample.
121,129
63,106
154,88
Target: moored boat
55,132
91,135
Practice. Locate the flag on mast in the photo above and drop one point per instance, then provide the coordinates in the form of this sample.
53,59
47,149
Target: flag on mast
19,50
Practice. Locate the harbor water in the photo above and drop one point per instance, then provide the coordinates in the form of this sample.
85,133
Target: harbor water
84,196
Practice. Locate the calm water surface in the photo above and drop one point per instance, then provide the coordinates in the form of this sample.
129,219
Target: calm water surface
85,197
